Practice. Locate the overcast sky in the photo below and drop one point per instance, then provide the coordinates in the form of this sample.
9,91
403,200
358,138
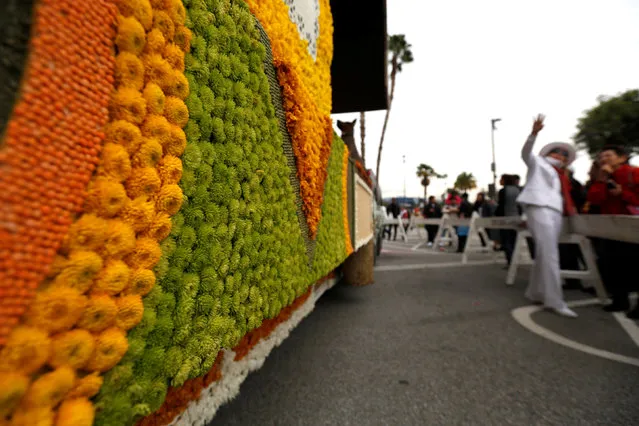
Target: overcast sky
496,59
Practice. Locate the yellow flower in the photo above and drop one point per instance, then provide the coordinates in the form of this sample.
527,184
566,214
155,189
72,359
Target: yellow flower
174,56
123,133
157,127
99,314
176,11
139,213
155,42
56,309
13,386
111,345
87,233
182,38
140,9
86,387
131,36
162,21
141,282
175,111
113,278
130,310
170,170
177,142
106,197
72,348
143,182
129,71
75,412
149,154
154,97
128,104
115,163
39,416
79,271
178,85
49,389
158,71
120,239
169,199
160,227
146,254
26,350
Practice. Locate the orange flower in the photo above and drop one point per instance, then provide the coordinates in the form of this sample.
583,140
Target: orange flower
75,412
99,314
113,278
146,254
86,387
56,309
49,389
141,282
27,350
111,345
13,386
130,310
72,348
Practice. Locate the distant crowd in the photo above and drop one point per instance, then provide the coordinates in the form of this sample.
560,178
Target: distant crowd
612,189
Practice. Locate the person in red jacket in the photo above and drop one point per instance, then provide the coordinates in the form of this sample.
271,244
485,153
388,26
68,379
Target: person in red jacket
616,192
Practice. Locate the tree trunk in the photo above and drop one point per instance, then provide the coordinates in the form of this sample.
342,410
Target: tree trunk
425,192
390,103
362,131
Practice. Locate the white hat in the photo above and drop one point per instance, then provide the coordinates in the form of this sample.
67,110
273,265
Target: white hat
568,148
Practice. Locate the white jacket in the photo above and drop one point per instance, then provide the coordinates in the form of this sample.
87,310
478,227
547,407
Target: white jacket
543,187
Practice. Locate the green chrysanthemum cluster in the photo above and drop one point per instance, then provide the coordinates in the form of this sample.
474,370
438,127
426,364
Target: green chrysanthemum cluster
330,249
236,254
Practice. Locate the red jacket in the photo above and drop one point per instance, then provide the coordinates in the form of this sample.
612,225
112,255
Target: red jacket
626,176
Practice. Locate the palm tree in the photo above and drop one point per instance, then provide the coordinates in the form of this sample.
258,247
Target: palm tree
465,182
400,54
362,131
426,172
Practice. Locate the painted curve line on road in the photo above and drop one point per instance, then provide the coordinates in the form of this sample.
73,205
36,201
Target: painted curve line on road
523,316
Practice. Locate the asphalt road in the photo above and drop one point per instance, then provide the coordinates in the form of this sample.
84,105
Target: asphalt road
439,346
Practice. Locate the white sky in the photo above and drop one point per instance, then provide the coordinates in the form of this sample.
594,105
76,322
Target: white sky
477,60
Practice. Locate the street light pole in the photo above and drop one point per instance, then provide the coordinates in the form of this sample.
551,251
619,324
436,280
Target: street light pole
404,167
493,166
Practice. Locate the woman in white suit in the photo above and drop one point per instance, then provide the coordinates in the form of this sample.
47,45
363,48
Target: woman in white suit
546,198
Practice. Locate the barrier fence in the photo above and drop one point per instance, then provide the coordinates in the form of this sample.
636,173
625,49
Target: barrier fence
575,230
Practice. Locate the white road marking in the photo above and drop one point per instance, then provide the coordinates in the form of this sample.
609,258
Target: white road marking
523,316
629,325
418,245
433,265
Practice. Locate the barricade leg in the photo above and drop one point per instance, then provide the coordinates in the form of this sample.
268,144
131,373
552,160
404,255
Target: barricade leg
591,265
520,245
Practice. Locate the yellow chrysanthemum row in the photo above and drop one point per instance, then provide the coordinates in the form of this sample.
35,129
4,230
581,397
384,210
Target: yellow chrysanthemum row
345,209
306,93
76,327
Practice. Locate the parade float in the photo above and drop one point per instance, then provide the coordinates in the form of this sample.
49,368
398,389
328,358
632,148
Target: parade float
174,201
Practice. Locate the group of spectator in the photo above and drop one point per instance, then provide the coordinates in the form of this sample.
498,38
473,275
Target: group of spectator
612,189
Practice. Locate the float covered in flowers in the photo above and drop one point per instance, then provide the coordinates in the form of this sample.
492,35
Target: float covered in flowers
174,201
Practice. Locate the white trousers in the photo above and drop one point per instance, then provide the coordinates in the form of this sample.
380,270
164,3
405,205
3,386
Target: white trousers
545,281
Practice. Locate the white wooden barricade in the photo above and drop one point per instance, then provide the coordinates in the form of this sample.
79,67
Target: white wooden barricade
476,232
590,274
446,231
400,226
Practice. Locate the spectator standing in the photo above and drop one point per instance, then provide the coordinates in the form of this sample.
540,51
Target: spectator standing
392,210
570,254
465,211
432,210
507,206
616,192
